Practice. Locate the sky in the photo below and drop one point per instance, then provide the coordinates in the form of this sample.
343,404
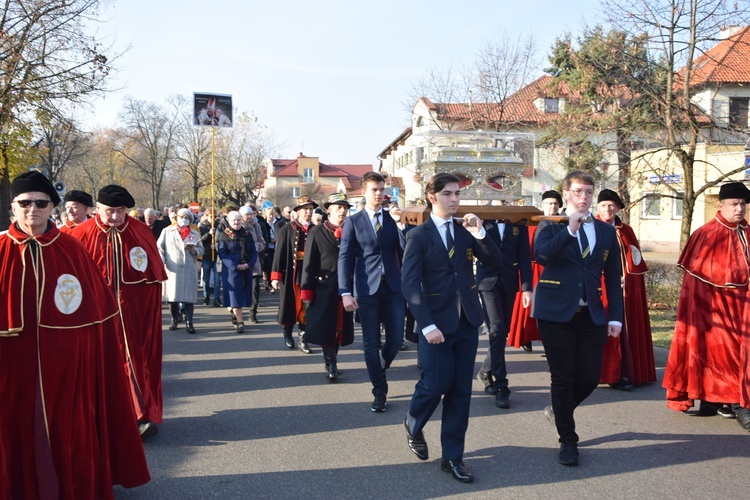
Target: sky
329,78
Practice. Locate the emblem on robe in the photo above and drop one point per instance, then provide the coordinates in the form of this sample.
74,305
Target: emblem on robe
470,253
637,257
515,231
68,294
138,259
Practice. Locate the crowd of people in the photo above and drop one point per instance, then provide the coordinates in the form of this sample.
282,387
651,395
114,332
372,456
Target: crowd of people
575,283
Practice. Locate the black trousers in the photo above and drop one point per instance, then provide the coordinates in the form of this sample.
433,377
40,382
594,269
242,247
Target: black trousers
574,354
498,307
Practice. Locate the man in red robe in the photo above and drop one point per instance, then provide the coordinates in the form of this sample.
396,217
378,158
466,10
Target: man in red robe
710,354
124,250
67,428
77,206
629,359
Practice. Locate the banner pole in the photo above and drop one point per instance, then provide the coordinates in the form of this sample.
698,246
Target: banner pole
213,196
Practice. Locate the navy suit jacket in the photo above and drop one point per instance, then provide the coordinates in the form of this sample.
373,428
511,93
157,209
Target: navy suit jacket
559,289
516,251
433,287
362,257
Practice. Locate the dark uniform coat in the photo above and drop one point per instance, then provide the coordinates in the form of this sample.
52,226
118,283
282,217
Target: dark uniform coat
325,315
290,239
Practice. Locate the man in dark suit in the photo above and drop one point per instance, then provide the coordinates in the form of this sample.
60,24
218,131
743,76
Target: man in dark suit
370,281
573,323
438,284
498,287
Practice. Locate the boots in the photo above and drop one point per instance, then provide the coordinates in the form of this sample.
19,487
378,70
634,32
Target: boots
329,354
288,339
303,344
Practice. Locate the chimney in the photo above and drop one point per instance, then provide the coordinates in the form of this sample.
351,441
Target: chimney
728,31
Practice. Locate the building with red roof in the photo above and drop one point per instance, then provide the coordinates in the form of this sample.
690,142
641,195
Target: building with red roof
288,179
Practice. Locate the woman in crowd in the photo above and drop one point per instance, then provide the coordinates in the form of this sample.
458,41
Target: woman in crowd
180,247
238,255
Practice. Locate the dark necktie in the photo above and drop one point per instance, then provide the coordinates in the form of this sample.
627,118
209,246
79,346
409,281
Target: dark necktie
585,253
378,227
449,244
585,248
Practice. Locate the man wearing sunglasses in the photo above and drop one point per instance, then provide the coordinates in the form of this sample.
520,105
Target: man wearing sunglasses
59,363
125,252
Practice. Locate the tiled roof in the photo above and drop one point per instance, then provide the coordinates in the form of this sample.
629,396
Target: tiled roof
726,62
288,168
518,108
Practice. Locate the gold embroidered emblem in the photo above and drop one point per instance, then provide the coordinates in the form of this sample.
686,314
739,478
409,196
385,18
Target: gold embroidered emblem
68,294
470,253
605,255
636,254
515,231
138,259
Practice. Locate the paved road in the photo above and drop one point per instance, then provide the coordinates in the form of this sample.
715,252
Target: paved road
247,418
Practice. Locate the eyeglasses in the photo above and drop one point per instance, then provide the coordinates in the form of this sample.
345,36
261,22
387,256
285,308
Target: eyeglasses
579,192
38,203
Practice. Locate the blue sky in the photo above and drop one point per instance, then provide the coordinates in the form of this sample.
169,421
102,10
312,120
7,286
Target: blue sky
328,77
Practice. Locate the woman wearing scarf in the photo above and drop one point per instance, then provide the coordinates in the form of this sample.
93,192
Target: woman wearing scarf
180,246
238,255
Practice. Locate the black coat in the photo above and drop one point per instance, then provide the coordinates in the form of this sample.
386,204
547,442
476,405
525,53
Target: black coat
289,239
320,283
516,251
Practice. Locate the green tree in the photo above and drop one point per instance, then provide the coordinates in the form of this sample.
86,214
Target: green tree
603,74
47,56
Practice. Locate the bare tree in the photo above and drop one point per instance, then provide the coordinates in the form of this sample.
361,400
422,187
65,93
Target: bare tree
150,136
676,32
193,153
240,159
46,56
503,66
61,145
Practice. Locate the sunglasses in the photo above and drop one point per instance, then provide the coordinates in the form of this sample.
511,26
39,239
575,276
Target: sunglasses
38,203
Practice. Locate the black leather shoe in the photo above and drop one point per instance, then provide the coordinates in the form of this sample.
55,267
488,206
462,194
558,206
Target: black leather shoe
189,326
379,404
486,379
417,444
743,416
289,340
726,411
458,470
501,398
173,325
253,317
622,385
568,454
527,347
206,300
333,372
147,429
404,347
217,303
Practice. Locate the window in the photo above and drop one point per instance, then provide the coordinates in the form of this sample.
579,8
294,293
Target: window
677,206
551,105
738,111
308,175
296,192
651,206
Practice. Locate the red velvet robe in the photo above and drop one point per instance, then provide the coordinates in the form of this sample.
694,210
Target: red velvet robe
128,259
709,355
68,227
522,326
67,428
632,353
